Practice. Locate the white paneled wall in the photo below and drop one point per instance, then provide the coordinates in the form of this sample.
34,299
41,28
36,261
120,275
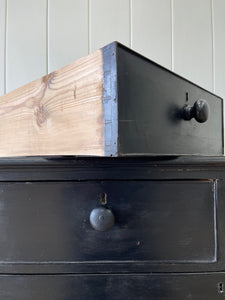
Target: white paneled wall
109,21
25,41
2,45
39,36
219,46
192,40
67,31
151,30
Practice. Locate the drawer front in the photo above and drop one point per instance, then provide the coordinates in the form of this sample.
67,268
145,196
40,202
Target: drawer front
155,222
150,105
112,287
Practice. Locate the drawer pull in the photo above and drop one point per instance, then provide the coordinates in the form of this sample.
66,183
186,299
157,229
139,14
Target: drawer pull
102,219
199,111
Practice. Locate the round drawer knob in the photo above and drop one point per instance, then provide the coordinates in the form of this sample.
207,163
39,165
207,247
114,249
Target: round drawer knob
102,218
199,111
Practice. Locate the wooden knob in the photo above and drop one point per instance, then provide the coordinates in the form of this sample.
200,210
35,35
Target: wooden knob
102,219
199,111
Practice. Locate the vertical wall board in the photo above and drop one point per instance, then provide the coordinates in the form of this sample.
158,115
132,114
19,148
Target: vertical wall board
2,45
67,32
151,35
219,42
26,42
193,40
109,21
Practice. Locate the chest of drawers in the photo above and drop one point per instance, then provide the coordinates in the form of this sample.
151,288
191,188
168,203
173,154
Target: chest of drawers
118,188
167,240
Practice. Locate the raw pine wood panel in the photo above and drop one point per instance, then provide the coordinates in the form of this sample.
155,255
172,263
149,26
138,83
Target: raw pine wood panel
2,45
26,42
59,114
193,40
151,36
219,42
68,32
109,21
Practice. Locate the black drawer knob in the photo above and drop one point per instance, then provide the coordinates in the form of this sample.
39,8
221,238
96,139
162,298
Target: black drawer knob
102,218
199,111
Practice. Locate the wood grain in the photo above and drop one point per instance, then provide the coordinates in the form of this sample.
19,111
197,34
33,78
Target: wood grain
59,114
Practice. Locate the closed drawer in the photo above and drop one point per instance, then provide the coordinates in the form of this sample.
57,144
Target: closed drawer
113,287
155,222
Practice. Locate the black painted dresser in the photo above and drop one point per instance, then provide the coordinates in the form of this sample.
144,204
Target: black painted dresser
117,190
167,240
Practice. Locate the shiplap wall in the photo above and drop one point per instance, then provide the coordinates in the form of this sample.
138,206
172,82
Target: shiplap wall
39,36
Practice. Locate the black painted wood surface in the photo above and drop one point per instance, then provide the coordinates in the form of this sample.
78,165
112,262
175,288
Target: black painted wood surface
143,105
168,240
155,222
113,287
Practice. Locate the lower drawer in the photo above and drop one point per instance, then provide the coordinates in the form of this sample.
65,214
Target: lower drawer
102,287
156,222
